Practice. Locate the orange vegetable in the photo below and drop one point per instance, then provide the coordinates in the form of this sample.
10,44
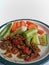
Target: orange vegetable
40,31
35,25
28,22
13,28
17,24
22,23
31,25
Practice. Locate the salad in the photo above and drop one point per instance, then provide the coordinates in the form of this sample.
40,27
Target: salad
22,38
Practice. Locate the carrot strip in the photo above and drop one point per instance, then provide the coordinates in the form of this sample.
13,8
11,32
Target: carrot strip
13,28
31,25
22,23
40,31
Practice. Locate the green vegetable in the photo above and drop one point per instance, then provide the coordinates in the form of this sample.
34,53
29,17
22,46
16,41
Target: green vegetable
23,55
43,39
28,35
5,31
28,41
35,39
19,30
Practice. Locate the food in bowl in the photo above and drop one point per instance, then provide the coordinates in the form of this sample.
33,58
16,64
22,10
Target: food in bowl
22,38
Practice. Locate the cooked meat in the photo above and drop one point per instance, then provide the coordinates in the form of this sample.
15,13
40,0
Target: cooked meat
17,45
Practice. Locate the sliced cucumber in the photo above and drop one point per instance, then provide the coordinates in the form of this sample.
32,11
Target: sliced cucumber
28,35
35,39
28,41
7,32
43,39
19,30
4,32
4,29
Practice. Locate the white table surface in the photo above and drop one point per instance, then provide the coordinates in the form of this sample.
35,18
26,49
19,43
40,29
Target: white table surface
32,9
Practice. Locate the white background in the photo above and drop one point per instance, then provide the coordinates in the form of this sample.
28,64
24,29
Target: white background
16,9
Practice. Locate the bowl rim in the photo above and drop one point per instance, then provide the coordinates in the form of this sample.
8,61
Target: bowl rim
27,62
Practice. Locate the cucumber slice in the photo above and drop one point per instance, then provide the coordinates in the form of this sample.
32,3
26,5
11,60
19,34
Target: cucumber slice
43,39
35,39
4,32
4,29
28,41
7,32
28,35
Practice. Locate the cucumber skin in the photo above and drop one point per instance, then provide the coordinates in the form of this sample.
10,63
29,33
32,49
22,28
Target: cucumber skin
3,31
7,32
6,29
47,39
